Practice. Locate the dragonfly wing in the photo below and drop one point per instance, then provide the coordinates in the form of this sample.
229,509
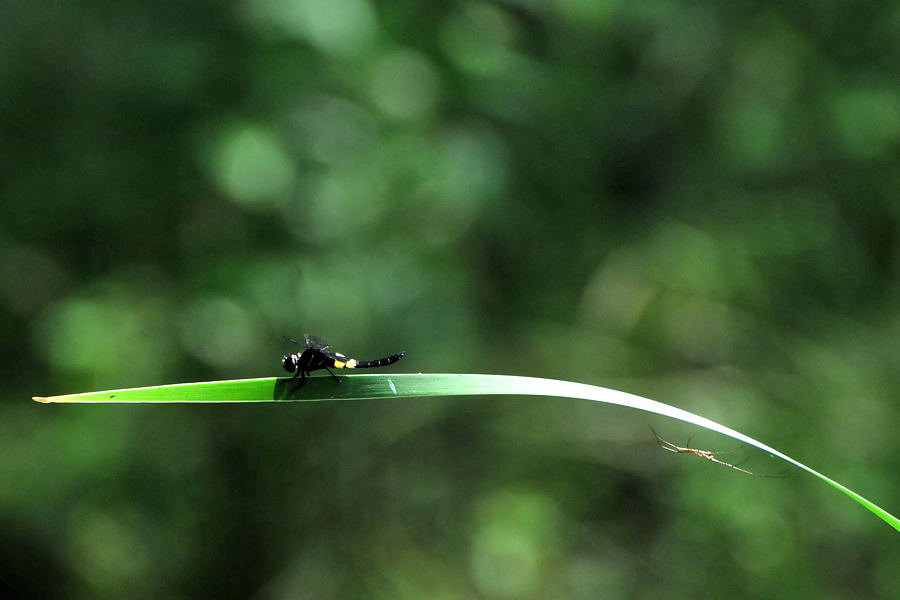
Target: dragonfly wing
316,343
322,347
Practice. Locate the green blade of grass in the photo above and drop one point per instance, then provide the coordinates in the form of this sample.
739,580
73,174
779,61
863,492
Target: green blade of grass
363,387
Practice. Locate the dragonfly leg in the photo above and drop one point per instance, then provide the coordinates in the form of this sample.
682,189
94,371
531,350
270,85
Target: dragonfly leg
336,378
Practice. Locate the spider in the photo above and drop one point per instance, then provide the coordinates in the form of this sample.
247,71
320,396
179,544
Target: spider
708,455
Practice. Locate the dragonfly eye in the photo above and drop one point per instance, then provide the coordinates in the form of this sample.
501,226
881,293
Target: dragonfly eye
289,362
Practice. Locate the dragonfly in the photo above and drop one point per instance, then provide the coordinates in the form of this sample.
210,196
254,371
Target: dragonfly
318,354
708,455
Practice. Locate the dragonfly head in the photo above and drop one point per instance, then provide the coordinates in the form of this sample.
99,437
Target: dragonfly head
289,362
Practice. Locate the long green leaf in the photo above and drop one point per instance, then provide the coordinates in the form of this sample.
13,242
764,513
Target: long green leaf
361,387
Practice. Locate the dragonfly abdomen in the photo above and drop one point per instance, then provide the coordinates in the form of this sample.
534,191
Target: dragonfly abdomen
380,362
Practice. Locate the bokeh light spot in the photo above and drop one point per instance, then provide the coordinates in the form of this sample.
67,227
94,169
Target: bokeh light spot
404,84
339,27
867,121
516,533
218,331
250,165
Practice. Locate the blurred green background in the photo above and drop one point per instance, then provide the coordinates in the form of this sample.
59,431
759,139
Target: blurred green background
697,202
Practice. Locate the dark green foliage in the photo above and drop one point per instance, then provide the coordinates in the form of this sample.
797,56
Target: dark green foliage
696,202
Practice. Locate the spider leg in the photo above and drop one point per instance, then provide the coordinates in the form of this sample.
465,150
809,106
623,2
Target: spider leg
665,444
714,452
745,471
